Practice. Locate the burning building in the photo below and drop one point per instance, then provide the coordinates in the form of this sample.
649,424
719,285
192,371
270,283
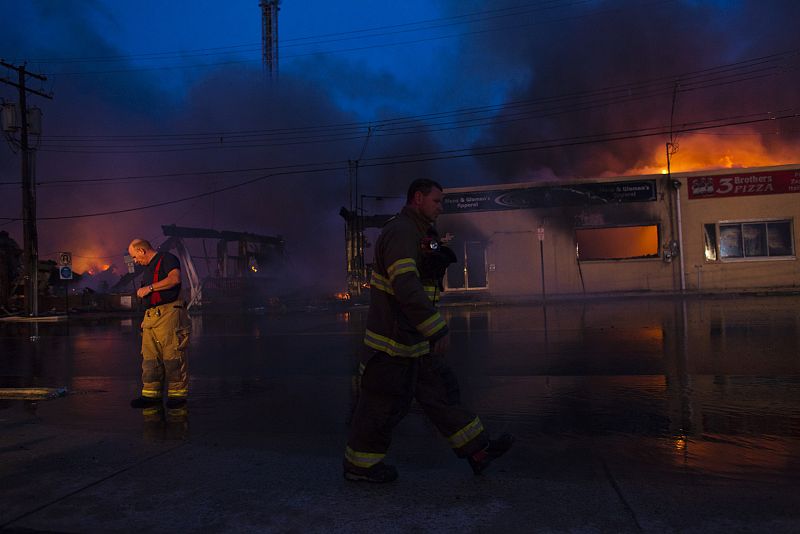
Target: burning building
253,276
696,231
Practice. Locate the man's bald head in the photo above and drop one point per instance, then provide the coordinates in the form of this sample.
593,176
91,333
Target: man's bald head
141,243
141,251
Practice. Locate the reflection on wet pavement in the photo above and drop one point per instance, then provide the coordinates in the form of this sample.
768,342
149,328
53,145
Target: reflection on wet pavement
667,386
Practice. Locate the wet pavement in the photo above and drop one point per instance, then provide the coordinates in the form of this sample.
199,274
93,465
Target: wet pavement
645,414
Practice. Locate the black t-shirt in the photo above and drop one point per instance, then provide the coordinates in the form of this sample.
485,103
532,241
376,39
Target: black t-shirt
167,263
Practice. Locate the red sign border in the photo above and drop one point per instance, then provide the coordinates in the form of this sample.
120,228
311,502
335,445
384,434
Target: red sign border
744,184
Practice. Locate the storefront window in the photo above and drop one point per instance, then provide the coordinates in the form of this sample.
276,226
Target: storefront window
779,238
470,271
730,241
754,240
618,243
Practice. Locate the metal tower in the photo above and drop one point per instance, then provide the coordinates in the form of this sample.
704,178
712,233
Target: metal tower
269,36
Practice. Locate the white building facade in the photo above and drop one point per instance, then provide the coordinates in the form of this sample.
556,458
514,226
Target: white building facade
702,231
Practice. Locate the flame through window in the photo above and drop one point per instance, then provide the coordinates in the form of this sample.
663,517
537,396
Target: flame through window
617,243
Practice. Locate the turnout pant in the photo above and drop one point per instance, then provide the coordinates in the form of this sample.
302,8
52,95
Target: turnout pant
388,386
165,339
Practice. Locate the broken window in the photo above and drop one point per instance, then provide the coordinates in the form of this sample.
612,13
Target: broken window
617,243
710,241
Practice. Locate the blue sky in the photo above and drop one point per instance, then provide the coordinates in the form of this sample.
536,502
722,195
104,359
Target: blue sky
161,101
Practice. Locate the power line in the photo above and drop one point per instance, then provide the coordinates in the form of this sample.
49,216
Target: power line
251,47
387,129
743,71
589,139
188,174
53,252
470,152
426,24
479,19
179,200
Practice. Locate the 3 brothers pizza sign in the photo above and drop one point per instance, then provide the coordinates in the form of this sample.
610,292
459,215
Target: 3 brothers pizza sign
745,184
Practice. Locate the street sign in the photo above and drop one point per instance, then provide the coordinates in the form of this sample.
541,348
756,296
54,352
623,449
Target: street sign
540,233
130,263
65,272
65,258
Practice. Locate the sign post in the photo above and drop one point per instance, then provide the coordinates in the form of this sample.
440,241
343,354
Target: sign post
65,273
540,235
129,263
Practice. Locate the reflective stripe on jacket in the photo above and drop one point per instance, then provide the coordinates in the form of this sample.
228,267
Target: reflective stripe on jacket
403,319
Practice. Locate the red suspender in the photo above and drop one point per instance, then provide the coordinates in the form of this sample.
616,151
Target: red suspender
155,297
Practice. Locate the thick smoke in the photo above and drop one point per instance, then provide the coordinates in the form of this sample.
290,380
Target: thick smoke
553,49
297,186
566,48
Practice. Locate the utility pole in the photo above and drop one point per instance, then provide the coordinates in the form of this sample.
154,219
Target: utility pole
676,247
29,232
356,268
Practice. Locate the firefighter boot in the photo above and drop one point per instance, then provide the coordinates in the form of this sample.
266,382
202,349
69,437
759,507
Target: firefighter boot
379,473
480,460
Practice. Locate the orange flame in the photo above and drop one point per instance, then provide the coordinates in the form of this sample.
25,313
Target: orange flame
97,269
86,261
701,151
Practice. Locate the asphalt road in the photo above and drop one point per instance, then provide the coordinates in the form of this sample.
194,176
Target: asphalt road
654,415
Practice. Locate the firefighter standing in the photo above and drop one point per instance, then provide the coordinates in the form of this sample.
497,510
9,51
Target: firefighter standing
165,328
404,347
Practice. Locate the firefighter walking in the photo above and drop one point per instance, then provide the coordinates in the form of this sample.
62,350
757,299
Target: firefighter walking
165,328
405,343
